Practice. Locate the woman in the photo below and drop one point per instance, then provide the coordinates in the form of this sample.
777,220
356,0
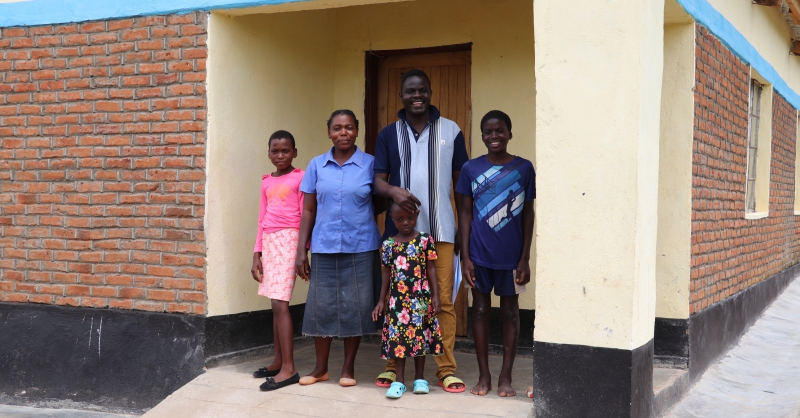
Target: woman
338,217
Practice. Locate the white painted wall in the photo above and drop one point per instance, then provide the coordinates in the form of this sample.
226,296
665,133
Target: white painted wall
673,255
290,70
598,82
265,73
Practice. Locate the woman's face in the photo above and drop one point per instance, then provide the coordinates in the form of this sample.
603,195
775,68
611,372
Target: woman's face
343,132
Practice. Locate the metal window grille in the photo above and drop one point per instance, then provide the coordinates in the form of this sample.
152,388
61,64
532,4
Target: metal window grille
752,144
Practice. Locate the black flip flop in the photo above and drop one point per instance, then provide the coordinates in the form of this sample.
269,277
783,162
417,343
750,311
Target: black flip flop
263,372
271,384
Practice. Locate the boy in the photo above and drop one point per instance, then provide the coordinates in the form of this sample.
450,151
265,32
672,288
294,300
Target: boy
496,227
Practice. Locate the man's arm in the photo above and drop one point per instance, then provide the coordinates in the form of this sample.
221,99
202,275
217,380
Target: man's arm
402,197
458,197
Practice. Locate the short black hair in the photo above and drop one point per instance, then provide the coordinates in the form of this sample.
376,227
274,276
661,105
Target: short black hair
496,114
347,112
392,205
281,134
416,72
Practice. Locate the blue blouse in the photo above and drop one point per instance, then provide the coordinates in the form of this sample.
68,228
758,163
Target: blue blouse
345,217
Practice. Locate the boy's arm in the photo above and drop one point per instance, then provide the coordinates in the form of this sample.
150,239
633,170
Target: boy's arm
433,282
464,230
380,306
524,266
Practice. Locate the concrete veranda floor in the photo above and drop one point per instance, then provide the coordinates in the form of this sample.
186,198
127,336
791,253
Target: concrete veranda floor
230,391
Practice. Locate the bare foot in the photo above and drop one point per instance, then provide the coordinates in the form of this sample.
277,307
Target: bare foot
284,374
504,388
483,387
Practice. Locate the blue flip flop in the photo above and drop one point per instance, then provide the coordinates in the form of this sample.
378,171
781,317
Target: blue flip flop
421,386
396,390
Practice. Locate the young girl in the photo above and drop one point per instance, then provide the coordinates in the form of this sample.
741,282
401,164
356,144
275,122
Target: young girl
410,328
274,254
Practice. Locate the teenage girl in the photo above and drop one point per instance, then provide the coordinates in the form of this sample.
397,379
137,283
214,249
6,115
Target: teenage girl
274,254
409,277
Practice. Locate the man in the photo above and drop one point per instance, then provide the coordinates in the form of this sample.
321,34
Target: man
417,161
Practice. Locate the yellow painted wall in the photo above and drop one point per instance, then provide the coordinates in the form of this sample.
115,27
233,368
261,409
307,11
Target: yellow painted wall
673,248
502,59
597,131
765,28
290,70
265,73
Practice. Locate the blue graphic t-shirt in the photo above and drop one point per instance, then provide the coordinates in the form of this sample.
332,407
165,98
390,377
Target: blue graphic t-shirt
499,193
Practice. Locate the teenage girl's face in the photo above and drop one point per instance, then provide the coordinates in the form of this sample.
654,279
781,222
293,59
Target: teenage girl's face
343,132
281,153
495,135
404,221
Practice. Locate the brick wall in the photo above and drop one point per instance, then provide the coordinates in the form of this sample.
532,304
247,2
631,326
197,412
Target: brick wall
730,253
102,163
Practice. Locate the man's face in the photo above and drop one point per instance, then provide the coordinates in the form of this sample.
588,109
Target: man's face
416,95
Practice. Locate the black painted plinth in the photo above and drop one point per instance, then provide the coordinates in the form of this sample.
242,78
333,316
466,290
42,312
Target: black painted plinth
715,329
230,334
583,381
107,357
671,342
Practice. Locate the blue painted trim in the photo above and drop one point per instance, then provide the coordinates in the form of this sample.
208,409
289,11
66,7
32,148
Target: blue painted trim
52,12
709,17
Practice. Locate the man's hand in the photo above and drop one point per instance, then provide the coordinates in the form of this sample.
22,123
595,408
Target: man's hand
405,199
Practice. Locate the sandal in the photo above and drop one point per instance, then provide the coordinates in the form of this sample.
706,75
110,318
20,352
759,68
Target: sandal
421,386
263,373
396,390
451,380
386,376
310,380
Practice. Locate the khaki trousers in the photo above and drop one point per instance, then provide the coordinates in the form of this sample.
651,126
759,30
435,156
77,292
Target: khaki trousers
447,316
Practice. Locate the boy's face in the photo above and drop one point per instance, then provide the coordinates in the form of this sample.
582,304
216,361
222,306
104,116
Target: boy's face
281,153
404,221
415,94
495,135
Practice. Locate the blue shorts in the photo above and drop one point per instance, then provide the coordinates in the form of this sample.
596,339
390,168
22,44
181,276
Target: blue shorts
501,280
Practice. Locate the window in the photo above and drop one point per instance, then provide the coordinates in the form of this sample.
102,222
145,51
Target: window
752,144
759,148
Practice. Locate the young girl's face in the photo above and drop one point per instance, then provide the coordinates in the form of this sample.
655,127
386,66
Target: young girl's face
404,221
281,153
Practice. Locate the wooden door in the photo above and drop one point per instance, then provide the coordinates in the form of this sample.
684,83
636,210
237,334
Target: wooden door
449,71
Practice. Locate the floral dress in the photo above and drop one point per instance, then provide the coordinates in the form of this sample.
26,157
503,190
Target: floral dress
410,329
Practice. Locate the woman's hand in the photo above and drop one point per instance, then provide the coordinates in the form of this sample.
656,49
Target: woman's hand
257,270
301,265
467,269
378,311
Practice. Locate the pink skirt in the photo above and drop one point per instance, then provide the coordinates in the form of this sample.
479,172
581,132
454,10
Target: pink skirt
278,253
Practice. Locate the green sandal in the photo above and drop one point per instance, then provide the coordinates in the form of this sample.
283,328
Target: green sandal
386,376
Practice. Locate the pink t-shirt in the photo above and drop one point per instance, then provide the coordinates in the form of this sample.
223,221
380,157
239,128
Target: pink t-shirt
281,204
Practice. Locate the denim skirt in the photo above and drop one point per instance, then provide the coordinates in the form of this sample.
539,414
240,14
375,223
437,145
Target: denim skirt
340,295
